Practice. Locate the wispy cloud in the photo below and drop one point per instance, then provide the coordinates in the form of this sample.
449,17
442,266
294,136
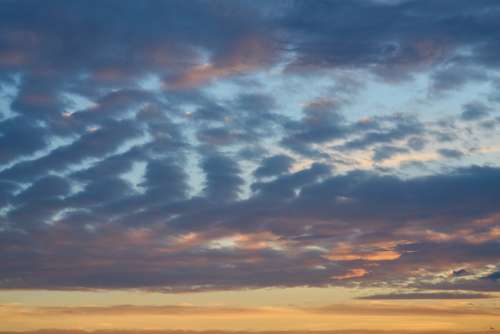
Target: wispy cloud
427,295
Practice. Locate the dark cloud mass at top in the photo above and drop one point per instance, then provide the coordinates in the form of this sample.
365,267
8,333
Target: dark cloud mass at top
214,145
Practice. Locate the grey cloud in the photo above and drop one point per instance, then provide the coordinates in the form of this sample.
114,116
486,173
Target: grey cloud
223,180
386,152
474,111
450,153
274,165
427,295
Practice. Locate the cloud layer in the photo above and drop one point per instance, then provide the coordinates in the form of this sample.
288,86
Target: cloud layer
188,146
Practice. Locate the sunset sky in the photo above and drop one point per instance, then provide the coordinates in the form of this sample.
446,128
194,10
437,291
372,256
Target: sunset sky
249,165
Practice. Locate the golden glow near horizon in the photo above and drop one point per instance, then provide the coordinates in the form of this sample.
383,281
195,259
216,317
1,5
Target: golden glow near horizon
306,309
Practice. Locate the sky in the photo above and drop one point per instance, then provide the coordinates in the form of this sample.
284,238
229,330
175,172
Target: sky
244,166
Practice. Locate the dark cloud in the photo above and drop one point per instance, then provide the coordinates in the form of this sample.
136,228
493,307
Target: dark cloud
386,152
477,284
99,192
494,276
460,272
396,40
286,186
96,143
164,181
474,111
427,295
321,123
20,137
274,165
46,187
453,76
218,136
319,210
223,180
388,130
450,153
416,143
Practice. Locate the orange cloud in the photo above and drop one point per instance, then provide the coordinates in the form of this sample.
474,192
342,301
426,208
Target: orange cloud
353,273
249,54
345,252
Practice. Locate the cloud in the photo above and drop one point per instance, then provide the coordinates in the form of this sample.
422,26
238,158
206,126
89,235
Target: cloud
20,137
395,50
494,276
474,111
274,165
223,179
315,205
450,153
460,272
386,152
427,295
